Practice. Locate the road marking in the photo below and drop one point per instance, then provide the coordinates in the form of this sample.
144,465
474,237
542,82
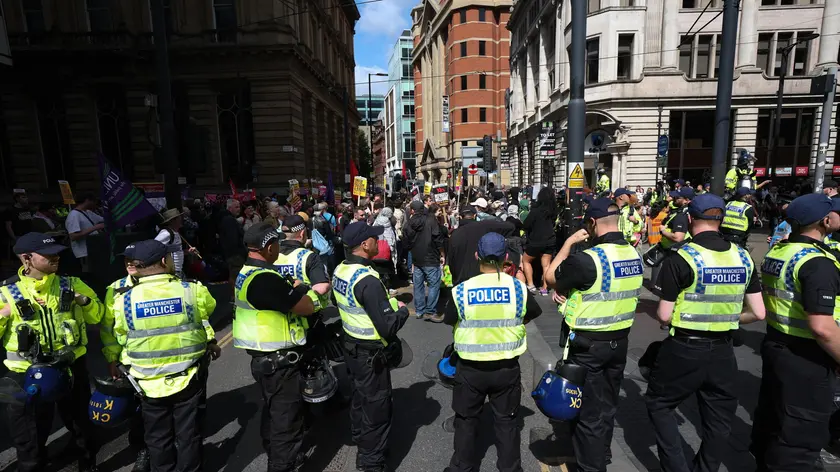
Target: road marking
544,468
226,339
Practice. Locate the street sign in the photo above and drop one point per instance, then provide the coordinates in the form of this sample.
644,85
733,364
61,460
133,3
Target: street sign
576,177
662,161
662,146
473,169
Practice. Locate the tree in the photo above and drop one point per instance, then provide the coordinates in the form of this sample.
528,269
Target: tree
365,156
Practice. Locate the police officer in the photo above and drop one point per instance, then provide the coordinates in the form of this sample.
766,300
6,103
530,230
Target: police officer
44,315
300,263
111,349
162,325
738,219
371,321
741,172
627,217
603,184
600,287
674,228
268,324
489,312
703,288
801,349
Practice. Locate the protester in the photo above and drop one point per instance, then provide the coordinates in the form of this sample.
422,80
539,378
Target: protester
17,219
541,240
81,223
426,243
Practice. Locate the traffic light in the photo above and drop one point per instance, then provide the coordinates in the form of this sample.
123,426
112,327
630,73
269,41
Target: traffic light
489,162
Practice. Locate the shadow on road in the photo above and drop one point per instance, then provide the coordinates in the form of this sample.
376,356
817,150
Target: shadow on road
237,451
413,409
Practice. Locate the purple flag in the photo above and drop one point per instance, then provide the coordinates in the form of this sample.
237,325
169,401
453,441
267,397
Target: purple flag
123,203
330,196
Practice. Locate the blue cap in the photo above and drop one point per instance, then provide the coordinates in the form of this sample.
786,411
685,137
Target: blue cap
680,181
149,251
38,243
588,199
492,246
358,232
744,191
809,209
129,252
622,191
835,204
705,202
674,194
687,192
599,209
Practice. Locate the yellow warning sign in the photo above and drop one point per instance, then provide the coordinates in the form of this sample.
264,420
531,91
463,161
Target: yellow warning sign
576,178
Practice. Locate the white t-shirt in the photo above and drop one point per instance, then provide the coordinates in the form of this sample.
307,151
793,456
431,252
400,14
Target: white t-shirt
77,221
172,240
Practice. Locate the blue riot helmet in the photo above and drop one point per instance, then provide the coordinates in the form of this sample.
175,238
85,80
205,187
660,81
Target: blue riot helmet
559,393
47,383
446,366
112,402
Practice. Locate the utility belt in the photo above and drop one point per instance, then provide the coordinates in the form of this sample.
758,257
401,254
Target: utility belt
268,363
736,238
692,336
490,365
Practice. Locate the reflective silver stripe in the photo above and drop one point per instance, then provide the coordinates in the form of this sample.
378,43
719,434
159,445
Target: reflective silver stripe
783,294
359,331
711,298
13,356
242,304
706,318
168,352
504,323
145,333
611,296
353,310
167,369
490,347
268,346
788,321
604,320
205,324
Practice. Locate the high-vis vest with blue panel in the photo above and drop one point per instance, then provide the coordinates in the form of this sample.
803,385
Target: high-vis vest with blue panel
354,318
263,330
294,266
714,300
783,291
491,317
735,218
665,242
610,303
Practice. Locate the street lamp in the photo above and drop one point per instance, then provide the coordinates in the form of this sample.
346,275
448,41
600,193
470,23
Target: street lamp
370,123
777,123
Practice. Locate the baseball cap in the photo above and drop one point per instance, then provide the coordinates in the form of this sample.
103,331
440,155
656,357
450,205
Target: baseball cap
599,208
674,194
706,202
744,191
293,224
480,202
129,252
680,181
149,251
492,246
358,232
417,205
809,208
687,192
38,243
259,236
622,191
467,210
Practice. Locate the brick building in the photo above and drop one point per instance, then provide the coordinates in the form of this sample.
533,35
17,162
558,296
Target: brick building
258,88
461,51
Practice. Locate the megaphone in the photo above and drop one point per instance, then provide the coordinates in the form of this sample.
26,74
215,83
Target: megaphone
559,392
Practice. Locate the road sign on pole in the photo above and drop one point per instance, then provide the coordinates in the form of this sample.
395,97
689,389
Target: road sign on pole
662,145
473,169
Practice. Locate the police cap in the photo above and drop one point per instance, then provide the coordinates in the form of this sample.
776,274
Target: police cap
261,235
358,232
293,224
492,246
744,191
38,243
704,203
599,208
687,192
149,251
809,209
674,194
623,191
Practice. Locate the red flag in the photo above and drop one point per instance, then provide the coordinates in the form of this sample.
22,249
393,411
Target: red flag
232,188
353,172
403,170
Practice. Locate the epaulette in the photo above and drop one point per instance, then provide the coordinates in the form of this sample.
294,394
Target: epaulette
676,247
122,290
11,280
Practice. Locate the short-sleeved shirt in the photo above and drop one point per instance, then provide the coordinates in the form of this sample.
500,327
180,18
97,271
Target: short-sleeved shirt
21,220
820,281
679,223
78,221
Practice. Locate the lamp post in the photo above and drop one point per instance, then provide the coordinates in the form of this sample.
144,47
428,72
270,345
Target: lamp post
777,119
369,121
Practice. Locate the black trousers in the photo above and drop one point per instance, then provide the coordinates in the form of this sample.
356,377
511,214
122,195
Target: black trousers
790,424
30,425
371,404
706,369
282,419
168,418
593,431
475,382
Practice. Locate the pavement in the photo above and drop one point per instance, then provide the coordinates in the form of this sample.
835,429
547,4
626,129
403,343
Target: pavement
418,440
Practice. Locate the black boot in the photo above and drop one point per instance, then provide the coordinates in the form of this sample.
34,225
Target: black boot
143,462
87,465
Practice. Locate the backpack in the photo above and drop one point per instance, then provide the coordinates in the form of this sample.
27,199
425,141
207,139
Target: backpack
319,242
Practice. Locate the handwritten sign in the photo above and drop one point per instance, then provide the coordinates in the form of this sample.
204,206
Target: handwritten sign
294,187
360,186
66,193
440,193
427,188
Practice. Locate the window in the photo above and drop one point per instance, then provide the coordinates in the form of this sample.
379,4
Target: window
788,2
782,41
800,56
406,53
482,81
482,14
686,58
689,3
462,16
464,49
795,136
482,115
592,6
99,16
704,49
411,127
464,115
236,130
482,48
33,16
463,82
55,139
625,56
627,3
592,46
763,58
114,130
408,145
224,16
408,110
406,70
700,57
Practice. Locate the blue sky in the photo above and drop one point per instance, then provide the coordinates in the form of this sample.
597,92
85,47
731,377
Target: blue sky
376,33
